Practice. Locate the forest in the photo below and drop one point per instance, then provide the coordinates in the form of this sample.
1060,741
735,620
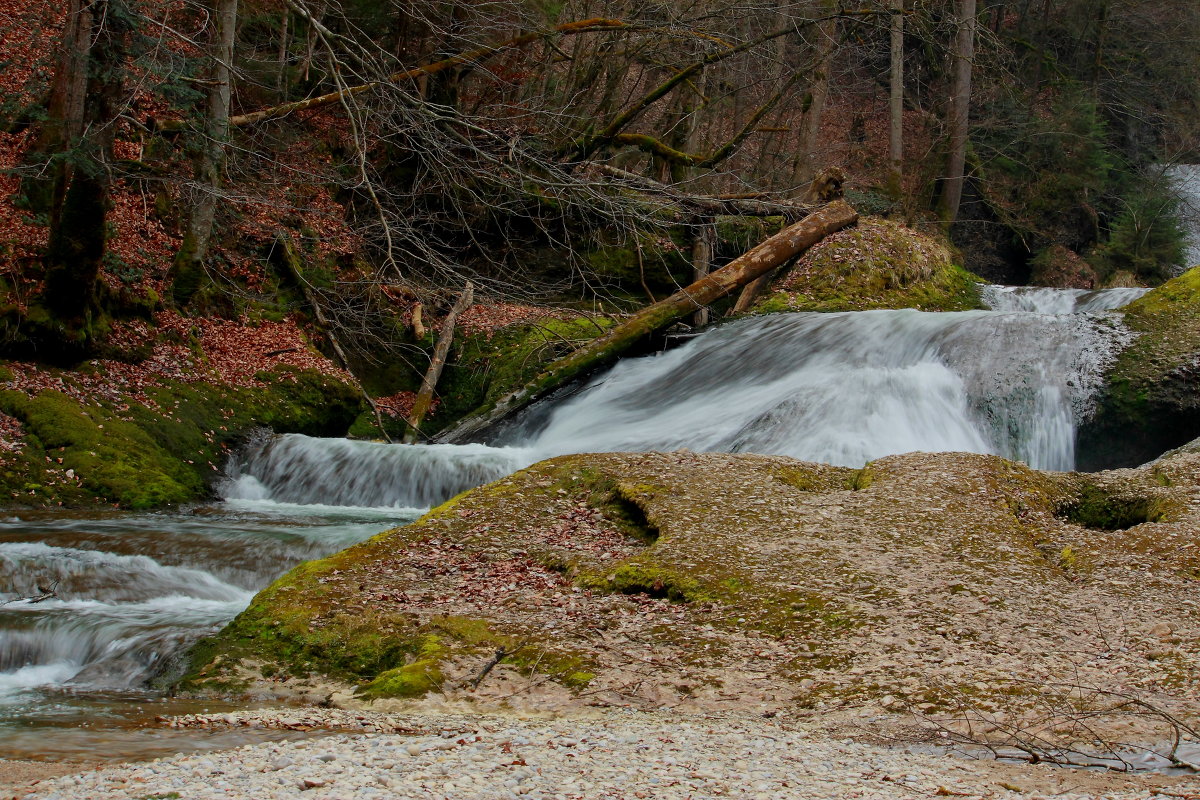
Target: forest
592,398
353,162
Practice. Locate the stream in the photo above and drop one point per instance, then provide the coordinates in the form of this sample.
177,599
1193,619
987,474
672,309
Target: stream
97,607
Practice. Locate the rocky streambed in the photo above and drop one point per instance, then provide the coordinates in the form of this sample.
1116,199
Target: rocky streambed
608,754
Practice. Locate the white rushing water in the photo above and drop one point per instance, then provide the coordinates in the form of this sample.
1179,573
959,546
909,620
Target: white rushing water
1186,178
104,602
1041,300
837,388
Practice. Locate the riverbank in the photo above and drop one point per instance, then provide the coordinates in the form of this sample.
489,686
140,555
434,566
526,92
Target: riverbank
601,754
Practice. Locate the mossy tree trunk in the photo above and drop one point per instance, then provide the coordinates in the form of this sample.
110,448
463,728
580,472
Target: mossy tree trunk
79,225
761,260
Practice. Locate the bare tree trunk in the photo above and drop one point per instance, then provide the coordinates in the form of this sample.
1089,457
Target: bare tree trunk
703,237
896,100
960,107
78,237
759,261
436,364
189,262
284,42
810,127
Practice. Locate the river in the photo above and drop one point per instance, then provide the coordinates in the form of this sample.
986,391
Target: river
98,607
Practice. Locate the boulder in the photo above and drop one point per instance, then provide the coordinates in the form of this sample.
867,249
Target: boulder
931,583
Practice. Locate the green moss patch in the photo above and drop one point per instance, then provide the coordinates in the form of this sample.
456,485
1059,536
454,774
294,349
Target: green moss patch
143,456
1108,511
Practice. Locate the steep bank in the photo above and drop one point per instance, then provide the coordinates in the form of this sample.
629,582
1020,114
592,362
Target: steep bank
152,426
1150,403
957,586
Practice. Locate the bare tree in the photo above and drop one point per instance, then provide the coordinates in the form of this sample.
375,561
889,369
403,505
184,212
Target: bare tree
189,262
960,108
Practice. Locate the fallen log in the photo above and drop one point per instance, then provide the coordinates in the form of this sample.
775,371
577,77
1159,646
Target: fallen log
759,261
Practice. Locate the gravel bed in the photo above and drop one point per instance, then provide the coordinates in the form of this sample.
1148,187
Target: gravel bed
606,755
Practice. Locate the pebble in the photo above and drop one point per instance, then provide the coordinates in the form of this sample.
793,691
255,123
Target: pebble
614,754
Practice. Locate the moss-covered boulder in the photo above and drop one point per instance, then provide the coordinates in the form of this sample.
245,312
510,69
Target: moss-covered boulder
163,446
1151,401
722,581
877,264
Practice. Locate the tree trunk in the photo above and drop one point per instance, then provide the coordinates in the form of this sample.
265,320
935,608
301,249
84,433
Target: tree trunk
79,230
704,234
960,106
63,127
189,261
761,260
810,126
440,351
896,100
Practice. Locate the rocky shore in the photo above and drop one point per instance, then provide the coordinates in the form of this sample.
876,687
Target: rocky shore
605,754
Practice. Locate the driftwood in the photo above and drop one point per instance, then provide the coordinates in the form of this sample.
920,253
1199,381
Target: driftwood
761,260
440,351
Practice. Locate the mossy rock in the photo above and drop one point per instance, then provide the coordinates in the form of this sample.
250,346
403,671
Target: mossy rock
139,457
876,264
1151,400
823,585
484,368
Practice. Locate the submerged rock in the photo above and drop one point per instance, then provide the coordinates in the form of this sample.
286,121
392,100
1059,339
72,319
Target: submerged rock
954,584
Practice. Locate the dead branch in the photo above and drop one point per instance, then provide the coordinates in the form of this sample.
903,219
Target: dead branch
44,593
500,654
468,57
436,364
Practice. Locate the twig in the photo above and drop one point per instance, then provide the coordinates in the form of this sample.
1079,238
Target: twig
46,594
500,654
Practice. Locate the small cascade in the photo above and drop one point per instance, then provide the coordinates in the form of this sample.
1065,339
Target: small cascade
851,387
339,472
837,388
1040,300
106,602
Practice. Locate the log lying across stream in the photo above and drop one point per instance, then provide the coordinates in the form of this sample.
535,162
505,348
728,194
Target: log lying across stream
775,251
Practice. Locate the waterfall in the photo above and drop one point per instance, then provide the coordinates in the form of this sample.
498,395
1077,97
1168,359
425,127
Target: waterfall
1040,300
840,388
1186,178
340,472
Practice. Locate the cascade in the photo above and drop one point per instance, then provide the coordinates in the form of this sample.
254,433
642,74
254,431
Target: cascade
1187,183
130,591
838,388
